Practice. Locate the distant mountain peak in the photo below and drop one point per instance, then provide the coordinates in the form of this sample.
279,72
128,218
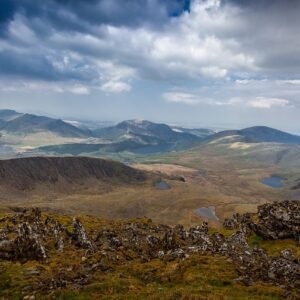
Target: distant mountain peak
258,134
15,122
9,114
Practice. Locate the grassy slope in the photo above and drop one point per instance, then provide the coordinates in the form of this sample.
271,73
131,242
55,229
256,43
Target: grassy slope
198,277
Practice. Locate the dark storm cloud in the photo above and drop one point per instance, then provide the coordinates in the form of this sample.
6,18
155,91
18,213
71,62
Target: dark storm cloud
65,14
157,39
13,63
40,67
67,17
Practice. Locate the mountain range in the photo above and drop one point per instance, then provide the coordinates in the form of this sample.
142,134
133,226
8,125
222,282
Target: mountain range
138,137
132,135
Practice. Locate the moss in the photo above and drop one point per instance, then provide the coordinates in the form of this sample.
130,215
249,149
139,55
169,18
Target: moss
219,283
255,240
198,277
5,281
225,232
275,247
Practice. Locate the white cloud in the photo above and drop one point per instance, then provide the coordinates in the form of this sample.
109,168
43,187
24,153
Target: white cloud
206,47
115,87
198,44
20,31
79,90
267,103
179,97
44,86
214,72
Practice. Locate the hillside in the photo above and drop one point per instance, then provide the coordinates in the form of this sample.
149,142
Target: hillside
256,134
137,137
28,134
26,173
27,123
52,256
146,132
8,115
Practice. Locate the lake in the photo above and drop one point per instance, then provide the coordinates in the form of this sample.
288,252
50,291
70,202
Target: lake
275,182
162,185
207,213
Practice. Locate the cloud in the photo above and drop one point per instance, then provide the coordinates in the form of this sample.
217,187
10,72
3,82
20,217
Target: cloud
257,102
43,86
190,45
195,98
79,90
79,47
267,103
179,97
115,87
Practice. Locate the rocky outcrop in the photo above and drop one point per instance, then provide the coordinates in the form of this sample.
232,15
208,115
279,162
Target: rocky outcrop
28,235
278,220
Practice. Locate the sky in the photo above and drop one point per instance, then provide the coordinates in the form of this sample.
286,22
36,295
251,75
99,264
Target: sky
208,63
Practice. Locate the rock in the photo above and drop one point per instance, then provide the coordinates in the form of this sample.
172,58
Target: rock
32,272
29,297
28,245
282,270
79,236
7,249
288,254
60,244
27,235
279,220
231,223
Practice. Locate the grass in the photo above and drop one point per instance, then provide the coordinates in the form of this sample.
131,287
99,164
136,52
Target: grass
255,240
197,277
274,247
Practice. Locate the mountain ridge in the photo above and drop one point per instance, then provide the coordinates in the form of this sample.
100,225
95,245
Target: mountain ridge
29,123
257,134
26,173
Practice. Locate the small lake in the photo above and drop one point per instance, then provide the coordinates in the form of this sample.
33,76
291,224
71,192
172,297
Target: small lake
162,185
275,182
207,213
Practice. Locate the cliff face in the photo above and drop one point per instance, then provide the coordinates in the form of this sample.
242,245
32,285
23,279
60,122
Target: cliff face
25,173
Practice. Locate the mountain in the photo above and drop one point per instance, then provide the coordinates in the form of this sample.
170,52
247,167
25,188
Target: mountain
138,137
83,148
28,123
26,173
256,134
200,132
8,115
146,132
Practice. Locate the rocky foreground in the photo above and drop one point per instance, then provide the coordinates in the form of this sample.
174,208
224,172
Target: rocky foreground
44,244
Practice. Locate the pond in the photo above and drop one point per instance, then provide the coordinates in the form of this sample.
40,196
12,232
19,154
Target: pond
207,213
274,181
162,185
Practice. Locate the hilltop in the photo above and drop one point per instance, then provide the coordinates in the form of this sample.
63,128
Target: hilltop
51,256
